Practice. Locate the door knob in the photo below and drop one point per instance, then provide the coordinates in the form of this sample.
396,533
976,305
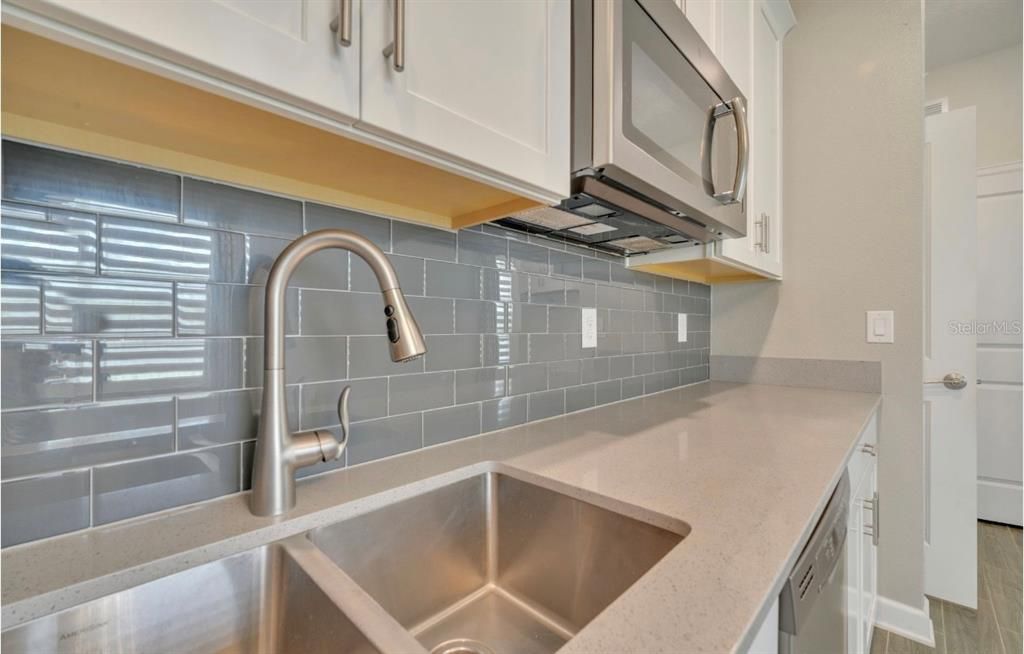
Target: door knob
954,381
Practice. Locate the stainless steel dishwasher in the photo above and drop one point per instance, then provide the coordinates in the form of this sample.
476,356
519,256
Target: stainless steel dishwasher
812,607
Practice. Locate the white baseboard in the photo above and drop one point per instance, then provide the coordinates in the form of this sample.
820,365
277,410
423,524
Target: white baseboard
905,620
1000,501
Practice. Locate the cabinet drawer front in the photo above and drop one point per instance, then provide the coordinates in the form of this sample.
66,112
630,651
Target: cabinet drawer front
285,48
865,451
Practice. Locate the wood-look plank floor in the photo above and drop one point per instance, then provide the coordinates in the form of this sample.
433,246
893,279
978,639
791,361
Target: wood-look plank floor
995,628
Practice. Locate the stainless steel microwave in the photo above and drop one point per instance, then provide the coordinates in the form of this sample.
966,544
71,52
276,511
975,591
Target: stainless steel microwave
659,134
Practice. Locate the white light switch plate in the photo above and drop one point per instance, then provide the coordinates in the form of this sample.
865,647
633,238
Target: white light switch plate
681,336
589,327
881,327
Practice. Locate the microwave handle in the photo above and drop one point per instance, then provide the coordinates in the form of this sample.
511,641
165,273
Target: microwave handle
738,109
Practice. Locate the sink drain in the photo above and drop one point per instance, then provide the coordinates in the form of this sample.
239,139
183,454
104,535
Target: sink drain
462,646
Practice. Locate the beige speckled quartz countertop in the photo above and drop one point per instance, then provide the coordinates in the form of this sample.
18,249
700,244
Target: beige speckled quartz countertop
748,467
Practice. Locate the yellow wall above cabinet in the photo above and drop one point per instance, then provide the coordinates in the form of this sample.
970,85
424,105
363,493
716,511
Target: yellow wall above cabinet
61,96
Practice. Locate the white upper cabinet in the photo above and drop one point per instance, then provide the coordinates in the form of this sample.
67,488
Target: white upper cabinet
704,16
283,48
486,82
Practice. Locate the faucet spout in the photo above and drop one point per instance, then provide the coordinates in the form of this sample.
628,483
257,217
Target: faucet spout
279,453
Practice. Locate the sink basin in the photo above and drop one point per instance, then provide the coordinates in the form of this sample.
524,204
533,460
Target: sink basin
261,601
493,564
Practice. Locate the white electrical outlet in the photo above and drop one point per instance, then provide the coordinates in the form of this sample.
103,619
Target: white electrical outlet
681,338
589,327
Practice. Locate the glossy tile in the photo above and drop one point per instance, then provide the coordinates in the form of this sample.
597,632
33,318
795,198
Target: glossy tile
137,248
45,372
527,378
408,269
504,286
50,440
578,398
18,210
65,244
547,290
631,299
63,499
62,179
620,321
452,280
367,400
307,358
407,393
224,417
609,391
137,368
371,357
546,347
452,352
433,315
680,287
574,347
479,384
563,373
565,264
596,270
580,294
443,425
378,230
326,269
219,206
480,317
227,309
505,349
375,439
478,249
564,319
20,304
594,370
325,313
527,318
653,301
620,366
525,257
619,274
632,387
503,413
419,241
608,297
546,404
643,364
129,489
646,280
100,306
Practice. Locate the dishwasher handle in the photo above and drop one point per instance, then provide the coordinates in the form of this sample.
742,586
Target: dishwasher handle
816,566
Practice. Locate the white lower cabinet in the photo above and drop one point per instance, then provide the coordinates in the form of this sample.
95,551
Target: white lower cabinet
862,543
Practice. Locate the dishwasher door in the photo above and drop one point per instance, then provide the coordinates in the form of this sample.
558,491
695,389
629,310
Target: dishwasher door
812,606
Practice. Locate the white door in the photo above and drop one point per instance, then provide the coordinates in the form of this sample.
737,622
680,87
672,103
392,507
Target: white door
951,546
761,249
999,344
485,82
284,48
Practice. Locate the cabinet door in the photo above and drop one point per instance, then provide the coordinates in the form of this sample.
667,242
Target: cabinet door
704,15
766,152
852,583
735,41
869,554
483,82
284,48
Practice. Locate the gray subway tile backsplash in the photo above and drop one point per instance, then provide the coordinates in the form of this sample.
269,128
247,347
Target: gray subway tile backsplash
133,355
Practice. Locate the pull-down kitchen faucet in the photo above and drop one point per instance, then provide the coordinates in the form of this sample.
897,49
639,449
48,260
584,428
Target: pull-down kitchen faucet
279,453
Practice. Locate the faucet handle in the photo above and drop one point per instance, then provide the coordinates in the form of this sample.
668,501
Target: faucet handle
343,418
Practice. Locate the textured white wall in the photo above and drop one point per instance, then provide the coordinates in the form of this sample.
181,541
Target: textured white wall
853,138
993,84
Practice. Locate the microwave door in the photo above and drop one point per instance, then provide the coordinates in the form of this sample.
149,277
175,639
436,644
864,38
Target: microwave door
665,132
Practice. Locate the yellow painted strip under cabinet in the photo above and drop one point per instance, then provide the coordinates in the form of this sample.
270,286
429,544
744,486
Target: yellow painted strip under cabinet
57,95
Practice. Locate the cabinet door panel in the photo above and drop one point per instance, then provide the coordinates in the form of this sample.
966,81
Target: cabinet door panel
283,48
485,82
766,149
734,42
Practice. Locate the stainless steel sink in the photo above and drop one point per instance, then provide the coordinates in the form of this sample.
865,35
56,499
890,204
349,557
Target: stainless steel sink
493,564
263,601
487,565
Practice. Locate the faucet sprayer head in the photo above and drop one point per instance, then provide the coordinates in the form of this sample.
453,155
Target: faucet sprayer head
404,336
